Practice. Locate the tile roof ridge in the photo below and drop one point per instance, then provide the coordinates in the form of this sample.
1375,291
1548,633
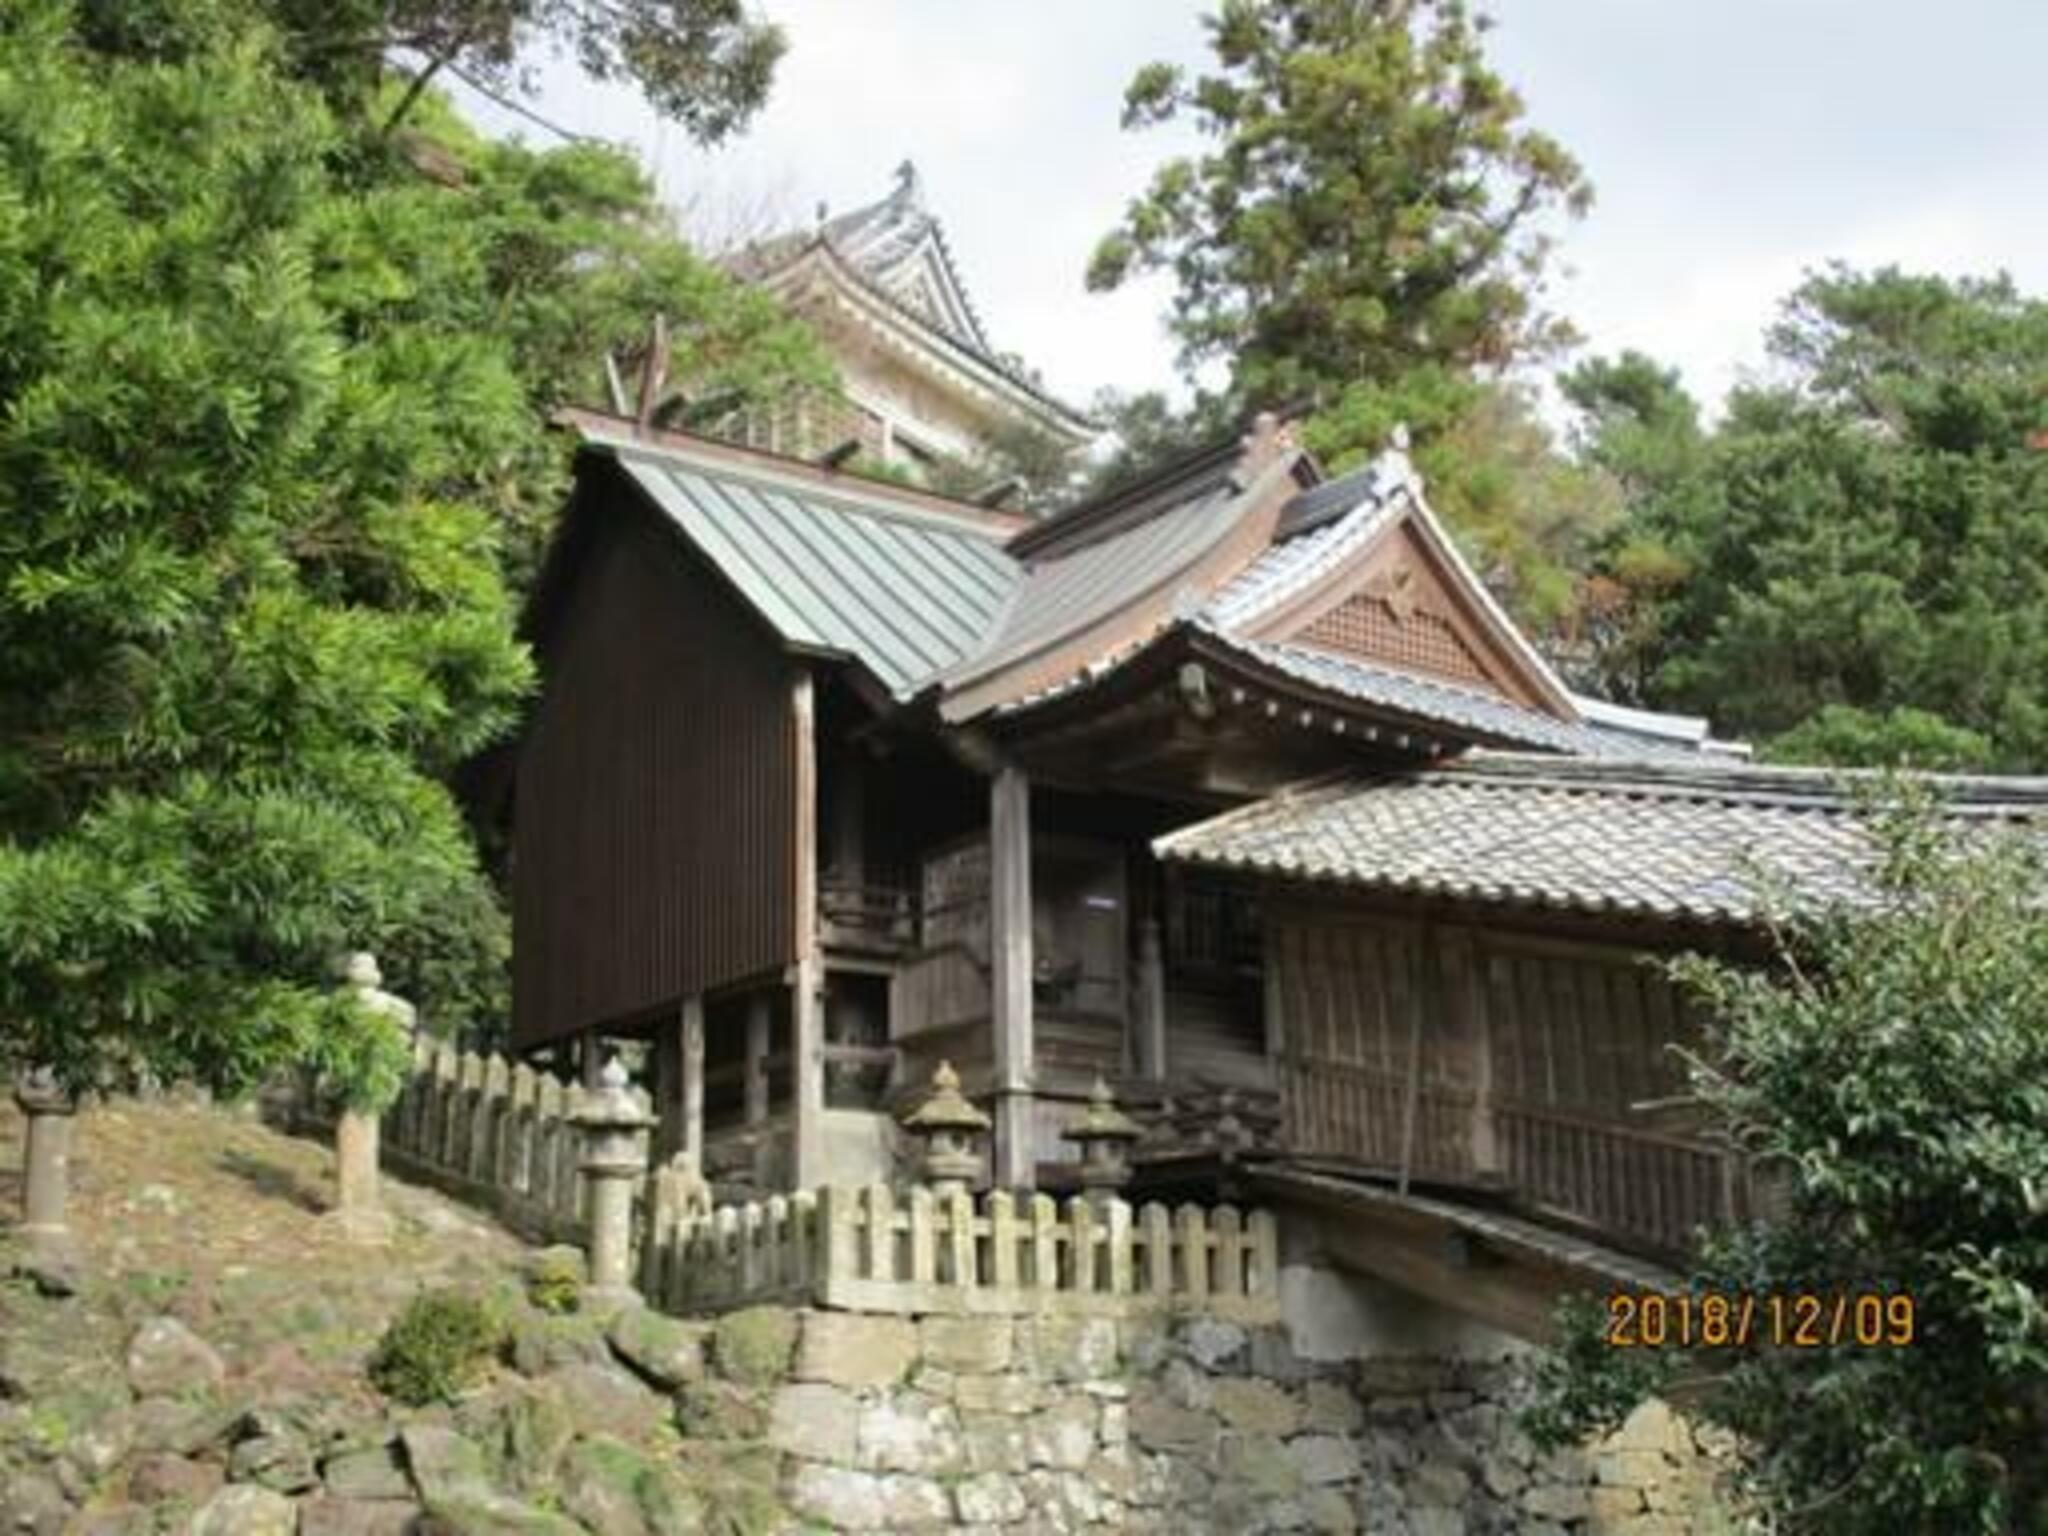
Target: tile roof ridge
1710,779
1333,542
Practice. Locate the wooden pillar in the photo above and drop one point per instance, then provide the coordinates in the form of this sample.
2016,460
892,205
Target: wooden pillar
690,1083
590,1059
1411,1099
1009,912
758,1011
807,979
1465,982
1272,997
849,831
1151,1052
807,1053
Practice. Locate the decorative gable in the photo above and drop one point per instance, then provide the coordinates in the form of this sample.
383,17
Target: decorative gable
1401,603
925,281
1395,623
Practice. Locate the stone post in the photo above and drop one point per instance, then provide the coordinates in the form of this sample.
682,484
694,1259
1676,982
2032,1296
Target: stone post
612,1124
359,1213
46,1162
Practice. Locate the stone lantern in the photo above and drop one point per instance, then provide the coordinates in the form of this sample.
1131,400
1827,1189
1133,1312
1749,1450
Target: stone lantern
949,1127
611,1122
1104,1134
359,1212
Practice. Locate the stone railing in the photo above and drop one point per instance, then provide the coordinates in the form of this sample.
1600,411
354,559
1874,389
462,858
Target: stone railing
916,1252
495,1133
531,1148
733,1256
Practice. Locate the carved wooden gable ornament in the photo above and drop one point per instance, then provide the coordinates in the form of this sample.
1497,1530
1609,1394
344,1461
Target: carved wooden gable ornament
1401,604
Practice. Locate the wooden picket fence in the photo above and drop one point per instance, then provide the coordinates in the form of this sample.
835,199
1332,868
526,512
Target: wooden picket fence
872,1249
494,1133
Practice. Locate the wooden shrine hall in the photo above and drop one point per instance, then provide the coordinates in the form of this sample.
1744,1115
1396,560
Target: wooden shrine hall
1234,787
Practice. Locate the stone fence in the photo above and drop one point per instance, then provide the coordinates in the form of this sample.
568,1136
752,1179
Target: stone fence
874,1249
494,1133
521,1144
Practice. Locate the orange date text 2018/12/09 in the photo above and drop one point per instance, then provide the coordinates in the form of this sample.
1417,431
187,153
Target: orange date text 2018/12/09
1737,1319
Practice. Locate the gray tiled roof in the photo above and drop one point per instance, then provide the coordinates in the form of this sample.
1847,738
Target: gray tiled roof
906,591
1291,565
1465,710
881,245
1675,839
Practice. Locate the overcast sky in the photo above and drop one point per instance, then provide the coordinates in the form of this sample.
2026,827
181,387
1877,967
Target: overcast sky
1732,144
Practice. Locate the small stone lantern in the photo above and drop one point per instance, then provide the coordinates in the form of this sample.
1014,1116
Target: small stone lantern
949,1127
612,1122
1104,1134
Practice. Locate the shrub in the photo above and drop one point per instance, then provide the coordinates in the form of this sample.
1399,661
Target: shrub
435,1348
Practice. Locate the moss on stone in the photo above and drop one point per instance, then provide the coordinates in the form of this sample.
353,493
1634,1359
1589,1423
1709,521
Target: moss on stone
753,1346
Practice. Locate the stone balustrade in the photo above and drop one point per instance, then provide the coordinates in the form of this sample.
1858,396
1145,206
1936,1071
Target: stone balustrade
495,1133
505,1137
875,1249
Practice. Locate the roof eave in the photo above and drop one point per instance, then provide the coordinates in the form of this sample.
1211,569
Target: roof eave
1048,409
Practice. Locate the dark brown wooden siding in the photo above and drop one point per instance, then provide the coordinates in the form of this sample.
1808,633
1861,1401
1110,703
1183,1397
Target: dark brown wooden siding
655,813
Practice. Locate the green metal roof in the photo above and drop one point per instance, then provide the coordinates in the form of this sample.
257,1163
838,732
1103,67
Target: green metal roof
905,590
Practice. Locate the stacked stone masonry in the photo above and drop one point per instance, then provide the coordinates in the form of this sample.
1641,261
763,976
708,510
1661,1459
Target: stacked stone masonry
1189,1424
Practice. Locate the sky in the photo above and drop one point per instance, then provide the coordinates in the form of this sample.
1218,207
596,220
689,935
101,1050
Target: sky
1732,146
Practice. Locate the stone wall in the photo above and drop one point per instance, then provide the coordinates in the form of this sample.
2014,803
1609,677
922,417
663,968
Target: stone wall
1189,1425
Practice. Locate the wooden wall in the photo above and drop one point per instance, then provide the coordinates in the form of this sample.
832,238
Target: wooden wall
1534,1058
653,847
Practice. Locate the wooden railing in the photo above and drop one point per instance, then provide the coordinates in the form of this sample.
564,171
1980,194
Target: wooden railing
871,1249
876,916
1634,1184
1642,1188
1362,1114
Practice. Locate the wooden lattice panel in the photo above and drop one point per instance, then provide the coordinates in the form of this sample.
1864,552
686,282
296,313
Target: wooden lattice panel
1418,641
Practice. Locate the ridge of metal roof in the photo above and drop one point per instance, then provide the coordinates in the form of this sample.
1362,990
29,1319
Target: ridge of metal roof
617,435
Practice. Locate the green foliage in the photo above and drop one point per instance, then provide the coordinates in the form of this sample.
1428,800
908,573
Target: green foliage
1863,544
1365,236
250,591
1527,517
1897,738
1035,470
272,439
437,1348
1891,1075
1147,431
707,64
561,257
1372,201
1586,1386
